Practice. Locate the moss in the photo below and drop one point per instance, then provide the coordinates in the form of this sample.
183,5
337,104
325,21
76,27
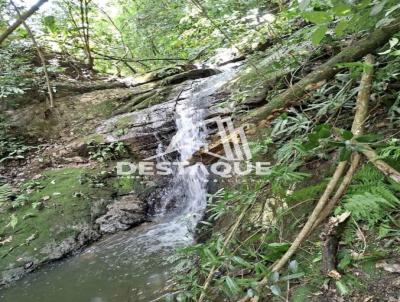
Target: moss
154,99
123,122
66,200
123,185
98,138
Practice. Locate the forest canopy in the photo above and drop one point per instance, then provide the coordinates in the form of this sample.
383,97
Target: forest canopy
140,35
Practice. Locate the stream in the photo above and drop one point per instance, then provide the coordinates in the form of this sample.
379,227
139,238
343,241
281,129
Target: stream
136,265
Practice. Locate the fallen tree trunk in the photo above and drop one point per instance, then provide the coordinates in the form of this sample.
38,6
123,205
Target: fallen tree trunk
380,164
21,20
294,94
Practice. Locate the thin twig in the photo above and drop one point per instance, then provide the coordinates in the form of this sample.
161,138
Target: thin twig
41,56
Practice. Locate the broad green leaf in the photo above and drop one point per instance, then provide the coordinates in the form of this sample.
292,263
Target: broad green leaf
232,286
341,27
345,154
317,17
395,53
392,9
341,9
210,255
292,276
319,34
282,247
347,135
293,266
383,22
323,131
274,277
378,8
303,4
342,288
50,23
241,261
276,290
393,42
368,138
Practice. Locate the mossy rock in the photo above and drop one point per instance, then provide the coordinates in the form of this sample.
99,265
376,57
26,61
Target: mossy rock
57,210
157,98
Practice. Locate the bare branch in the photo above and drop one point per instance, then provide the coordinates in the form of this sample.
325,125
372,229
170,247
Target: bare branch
21,20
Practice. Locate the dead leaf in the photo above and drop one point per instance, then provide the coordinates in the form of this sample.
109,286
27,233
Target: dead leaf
31,238
7,240
334,274
391,268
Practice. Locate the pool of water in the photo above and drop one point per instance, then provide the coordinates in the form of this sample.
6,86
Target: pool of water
125,267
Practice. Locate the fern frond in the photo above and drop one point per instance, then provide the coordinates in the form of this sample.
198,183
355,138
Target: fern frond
370,207
370,198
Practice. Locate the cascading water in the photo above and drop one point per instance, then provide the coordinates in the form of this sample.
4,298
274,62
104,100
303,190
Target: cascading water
133,265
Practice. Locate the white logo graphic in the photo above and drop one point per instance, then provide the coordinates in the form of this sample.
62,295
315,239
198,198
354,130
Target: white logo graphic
236,155
234,141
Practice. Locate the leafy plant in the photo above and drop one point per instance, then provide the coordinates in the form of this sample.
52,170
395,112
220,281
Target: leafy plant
10,147
392,150
106,151
370,197
290,124
346,17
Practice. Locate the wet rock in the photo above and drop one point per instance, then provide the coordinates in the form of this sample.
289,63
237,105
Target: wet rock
54,250
57,250
86,235
99,208
123,214
190,75
12,274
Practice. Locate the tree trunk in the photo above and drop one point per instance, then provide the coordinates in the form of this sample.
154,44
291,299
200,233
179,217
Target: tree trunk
21,20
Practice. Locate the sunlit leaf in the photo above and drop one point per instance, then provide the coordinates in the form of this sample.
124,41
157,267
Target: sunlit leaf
319,34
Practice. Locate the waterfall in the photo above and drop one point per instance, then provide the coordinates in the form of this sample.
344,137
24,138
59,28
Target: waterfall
189,186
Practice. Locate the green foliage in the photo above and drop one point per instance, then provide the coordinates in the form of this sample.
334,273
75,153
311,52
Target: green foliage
15,65
260,146
287,125
106,151
370,198
391,150
10,146
346,17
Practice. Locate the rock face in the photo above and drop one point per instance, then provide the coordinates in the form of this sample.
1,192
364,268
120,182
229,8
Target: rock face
122,215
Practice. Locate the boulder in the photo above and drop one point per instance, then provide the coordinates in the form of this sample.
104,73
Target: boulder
123,214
